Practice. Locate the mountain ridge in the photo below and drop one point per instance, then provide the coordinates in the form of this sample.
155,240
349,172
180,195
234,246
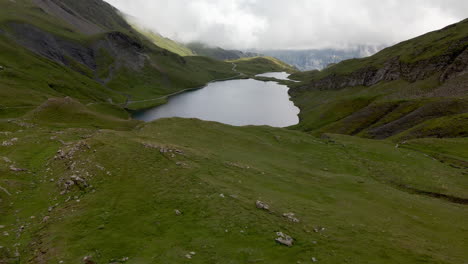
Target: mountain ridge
390,87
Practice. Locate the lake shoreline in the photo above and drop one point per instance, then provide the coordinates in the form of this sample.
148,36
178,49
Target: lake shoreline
235,104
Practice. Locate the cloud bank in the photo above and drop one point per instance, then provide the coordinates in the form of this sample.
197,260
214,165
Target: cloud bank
294,24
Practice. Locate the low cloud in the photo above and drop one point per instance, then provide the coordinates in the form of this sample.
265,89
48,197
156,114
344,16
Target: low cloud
297,24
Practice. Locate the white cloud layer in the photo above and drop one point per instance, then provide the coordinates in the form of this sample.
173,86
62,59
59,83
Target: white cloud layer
293,24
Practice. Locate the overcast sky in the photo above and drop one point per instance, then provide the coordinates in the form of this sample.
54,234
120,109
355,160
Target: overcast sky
293,24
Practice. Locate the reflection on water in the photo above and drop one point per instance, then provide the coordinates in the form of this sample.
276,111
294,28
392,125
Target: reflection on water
235,102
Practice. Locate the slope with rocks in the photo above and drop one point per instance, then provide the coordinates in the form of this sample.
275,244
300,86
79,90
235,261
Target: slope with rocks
189,191
86,50
399,89
81,182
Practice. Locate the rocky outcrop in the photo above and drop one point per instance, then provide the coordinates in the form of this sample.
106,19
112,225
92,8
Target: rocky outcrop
52,47
60,10
452,63
284,239
125,50
458,67
262,205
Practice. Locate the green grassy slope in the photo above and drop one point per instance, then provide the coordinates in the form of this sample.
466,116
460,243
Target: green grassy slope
358,200
117,65
165,43
78,178
424,47
416,81
217,53
256,65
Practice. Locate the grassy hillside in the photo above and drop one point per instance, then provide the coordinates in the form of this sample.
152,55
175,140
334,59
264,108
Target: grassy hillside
165,43
256,65
419,84
81,182
49,54
113,195
218,53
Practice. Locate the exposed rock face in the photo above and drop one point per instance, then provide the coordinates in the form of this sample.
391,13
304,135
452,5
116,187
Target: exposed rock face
78,22
52,47
458,67
452,63
125,50
128,51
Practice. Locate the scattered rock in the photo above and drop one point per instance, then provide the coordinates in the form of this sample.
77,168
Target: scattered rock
45,219
13,168
190,255
182,164
237,165
10,142
284,239
79,181
7,160
319,229
291,217
88,260
178,212
314,260
221,195
262,205
1,68
70,153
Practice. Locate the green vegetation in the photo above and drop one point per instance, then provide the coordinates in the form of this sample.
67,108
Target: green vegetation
256,65
29,79
427,46
217,53
424,106
165,43
213,174
79,177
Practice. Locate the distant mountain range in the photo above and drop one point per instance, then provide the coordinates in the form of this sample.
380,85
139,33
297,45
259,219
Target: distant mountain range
318,59
304,60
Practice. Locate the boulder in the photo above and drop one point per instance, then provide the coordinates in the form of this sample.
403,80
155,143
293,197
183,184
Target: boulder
88,260
262,205
284,239
291,217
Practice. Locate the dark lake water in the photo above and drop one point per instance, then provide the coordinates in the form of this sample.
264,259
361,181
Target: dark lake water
234,102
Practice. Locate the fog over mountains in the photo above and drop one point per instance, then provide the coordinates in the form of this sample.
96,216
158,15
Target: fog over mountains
298,24
318,59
